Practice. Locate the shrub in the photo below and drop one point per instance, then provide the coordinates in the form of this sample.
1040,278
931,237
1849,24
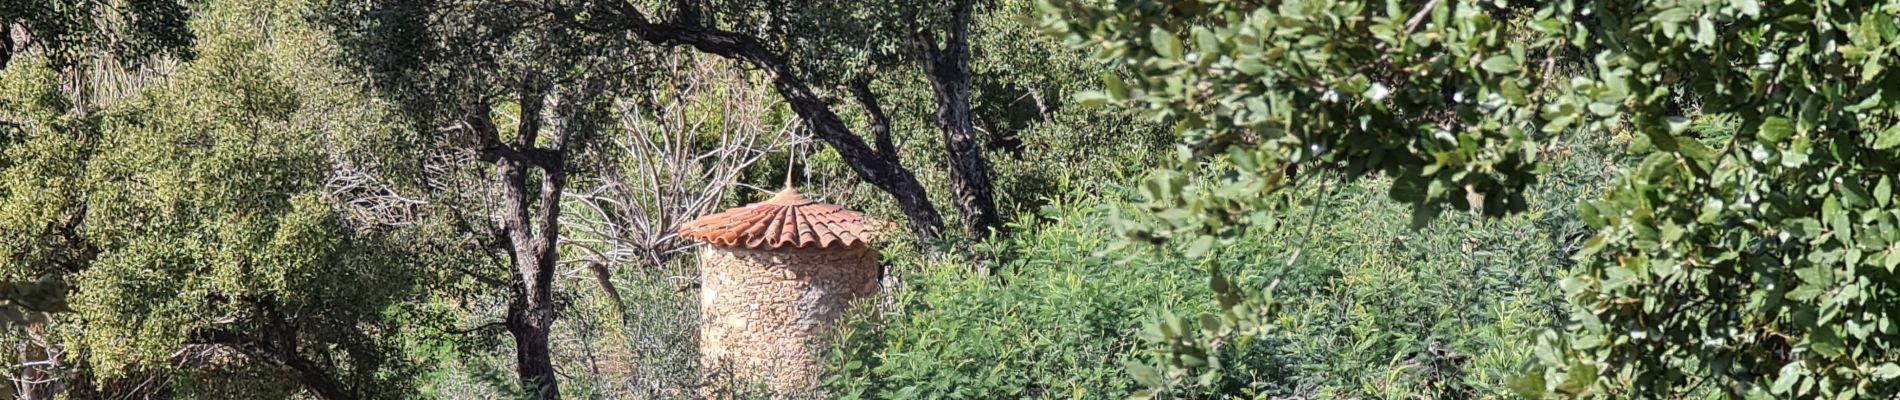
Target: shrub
1055,322
1368,308
1762,266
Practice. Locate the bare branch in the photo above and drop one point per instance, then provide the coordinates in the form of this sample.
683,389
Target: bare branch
662,171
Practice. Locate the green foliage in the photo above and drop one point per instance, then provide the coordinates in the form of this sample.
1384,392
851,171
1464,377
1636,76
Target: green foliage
209,214
1195,353
38,218
1371,308
69,31
436,59
194,214
1439,99
1038,145
1752,261
1041,145
1054,323
1749,248
1760,267
41,158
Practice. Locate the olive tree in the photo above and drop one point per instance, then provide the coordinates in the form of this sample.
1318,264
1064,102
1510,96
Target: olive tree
192,220
816,54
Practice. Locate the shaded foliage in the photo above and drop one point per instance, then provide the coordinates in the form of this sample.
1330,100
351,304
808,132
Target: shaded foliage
66,32
1755,264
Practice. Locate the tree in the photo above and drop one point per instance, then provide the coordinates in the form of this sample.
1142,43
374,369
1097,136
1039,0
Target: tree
1434,96
210,253
58,35
793,73
1757,262
848,46
508,85
69,31
947,67
79,57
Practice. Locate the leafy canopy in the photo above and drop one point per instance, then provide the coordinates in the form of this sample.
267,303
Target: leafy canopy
1439,101
205,219
1756,263
70,31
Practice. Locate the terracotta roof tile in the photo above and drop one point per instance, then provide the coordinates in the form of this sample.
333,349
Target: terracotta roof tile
787,220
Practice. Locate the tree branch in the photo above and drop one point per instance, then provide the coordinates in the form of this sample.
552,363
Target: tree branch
880,123
314,378
1412,24
882,170
479,328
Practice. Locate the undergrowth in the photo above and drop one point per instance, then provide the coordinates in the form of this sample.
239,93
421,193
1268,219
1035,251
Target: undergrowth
1372,306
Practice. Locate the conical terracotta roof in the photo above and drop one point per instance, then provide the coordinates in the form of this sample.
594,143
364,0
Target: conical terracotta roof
787,220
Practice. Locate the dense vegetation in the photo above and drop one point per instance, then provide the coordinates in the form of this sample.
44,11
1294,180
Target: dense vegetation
346,199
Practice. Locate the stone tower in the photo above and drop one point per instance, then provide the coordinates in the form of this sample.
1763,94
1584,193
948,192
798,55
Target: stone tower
773,277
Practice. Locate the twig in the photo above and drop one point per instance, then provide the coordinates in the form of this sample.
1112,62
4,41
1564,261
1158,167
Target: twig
1412,24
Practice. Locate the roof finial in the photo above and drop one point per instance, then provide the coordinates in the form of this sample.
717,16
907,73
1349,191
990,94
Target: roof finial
791,156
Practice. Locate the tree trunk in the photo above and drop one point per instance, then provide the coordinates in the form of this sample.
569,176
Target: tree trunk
530,321
531,315
6,44
948,70
533,229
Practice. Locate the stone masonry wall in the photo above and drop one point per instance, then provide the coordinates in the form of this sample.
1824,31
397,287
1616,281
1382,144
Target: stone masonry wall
762,313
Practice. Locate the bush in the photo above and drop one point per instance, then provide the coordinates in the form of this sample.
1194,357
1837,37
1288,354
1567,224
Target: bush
1055,322
1369,307
1757,262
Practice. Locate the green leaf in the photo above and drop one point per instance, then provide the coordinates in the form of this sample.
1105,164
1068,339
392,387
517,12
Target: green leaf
1774,130
1114,87
1529,385
1602,109
1747,7
1143,373
1887,371
1888,138
1579,378
1790,375
1856,194
1697,151
1200,246
1165,43
1251,66
1091,98
1676,124
1677,14
1825,341
1883,191
1513,92
1206,43
1500,64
